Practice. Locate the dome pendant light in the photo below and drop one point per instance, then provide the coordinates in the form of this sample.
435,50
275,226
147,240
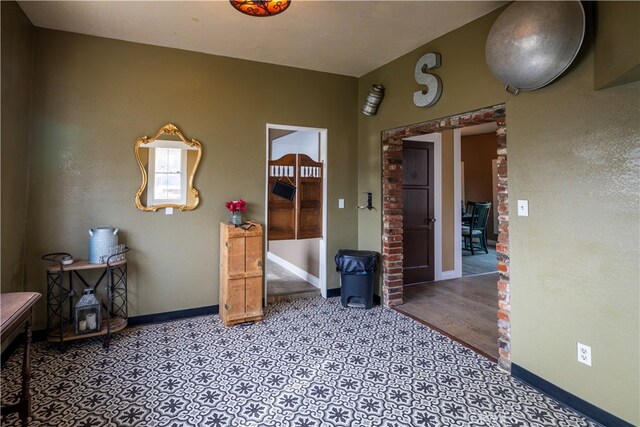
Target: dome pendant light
260,7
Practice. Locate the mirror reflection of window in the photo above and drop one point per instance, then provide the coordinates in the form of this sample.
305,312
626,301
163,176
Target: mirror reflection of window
167,172
168,168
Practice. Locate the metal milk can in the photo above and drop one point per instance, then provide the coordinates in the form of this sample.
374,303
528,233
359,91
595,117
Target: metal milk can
101,240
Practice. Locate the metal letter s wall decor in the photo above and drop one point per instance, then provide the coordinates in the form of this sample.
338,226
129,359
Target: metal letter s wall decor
428,97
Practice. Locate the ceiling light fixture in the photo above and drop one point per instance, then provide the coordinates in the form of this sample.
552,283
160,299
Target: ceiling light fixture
260,7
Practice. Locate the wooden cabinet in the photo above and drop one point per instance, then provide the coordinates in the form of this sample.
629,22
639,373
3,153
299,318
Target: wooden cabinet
241,273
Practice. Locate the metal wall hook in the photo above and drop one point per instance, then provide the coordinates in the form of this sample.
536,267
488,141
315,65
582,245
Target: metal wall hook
369,204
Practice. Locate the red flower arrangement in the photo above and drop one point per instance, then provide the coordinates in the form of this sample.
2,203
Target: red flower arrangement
236,206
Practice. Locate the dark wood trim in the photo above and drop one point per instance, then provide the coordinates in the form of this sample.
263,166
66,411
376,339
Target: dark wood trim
332,293
173,315
567,399
459,341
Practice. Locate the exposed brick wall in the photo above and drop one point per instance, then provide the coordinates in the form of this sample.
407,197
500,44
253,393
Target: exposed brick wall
502,248
392,211
392,208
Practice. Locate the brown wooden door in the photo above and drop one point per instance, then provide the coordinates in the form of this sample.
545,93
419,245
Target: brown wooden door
300,218
419,221
281,211
309,198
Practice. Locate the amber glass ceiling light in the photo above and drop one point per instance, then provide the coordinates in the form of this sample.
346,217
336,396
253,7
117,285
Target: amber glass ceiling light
260,7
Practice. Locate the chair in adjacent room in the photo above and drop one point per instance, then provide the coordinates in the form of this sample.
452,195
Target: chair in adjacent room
466,212
477,228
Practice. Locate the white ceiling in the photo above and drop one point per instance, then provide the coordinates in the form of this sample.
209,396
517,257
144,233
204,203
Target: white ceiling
342,37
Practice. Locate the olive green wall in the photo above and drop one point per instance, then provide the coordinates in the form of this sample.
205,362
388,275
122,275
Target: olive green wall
93,97
17,67
573,153
617,48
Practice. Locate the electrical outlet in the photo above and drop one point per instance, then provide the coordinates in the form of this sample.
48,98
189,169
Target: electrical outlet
584,354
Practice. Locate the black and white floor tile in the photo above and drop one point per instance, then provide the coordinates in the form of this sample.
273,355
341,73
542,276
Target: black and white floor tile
309,363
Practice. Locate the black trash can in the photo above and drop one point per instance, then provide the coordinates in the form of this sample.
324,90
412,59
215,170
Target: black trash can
356,276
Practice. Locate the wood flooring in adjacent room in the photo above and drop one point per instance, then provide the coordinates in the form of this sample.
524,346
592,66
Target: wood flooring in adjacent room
464,308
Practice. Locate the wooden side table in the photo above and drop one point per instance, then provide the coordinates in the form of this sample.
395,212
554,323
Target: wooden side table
16,310
61,295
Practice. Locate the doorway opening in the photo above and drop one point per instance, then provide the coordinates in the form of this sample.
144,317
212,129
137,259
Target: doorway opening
295,212
478,187
393,214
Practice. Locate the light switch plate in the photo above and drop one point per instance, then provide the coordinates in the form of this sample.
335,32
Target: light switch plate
340,203
523,208
168,211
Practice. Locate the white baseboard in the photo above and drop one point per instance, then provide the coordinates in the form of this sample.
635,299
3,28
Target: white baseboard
451,274
312,280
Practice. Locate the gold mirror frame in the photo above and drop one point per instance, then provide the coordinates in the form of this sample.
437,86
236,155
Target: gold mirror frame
168,129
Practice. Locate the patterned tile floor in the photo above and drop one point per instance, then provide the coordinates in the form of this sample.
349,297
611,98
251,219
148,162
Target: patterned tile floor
311,362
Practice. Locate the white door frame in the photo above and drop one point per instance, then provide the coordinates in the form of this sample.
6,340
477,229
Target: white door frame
436,138
457,203
323,158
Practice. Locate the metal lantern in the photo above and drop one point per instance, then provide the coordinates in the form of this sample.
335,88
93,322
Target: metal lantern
374,97
87,316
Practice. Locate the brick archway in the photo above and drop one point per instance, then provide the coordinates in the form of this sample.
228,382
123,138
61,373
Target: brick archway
392,213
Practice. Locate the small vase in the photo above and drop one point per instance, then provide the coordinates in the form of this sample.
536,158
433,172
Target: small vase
236,218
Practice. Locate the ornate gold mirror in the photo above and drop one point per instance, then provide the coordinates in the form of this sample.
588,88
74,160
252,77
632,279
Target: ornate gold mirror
168,162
